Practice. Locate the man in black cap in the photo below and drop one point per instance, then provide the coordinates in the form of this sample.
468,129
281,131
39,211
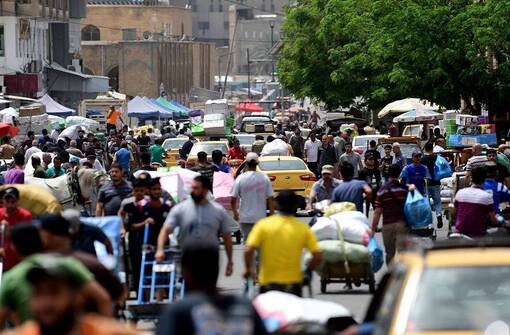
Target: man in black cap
56,237
57,307
372,176
134,219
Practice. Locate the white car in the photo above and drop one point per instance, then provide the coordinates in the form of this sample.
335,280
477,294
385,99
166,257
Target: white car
361,143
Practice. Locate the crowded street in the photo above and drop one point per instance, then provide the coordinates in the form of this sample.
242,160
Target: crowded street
252,167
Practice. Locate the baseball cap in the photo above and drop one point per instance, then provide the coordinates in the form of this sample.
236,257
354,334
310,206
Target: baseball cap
51,267
252,156
329,169
55,224
11,192
417,153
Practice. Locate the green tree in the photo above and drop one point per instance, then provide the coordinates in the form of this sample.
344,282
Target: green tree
381,50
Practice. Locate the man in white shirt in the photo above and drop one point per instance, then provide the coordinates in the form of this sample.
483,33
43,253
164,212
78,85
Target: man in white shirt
256,193
92,160
440,145
32,150
312,146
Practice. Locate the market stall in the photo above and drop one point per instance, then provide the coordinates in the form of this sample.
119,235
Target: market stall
465,130
54,108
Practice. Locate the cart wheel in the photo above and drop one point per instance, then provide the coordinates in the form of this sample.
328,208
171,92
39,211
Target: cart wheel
237,235
371,284
324,283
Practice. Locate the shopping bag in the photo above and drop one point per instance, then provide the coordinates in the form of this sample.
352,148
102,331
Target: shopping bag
442,169
417,210
377,254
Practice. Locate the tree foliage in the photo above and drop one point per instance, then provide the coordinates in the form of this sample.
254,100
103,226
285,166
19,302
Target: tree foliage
382,50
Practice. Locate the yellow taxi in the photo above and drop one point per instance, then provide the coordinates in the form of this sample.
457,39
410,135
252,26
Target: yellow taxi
208,147
172,147
454,288
286,172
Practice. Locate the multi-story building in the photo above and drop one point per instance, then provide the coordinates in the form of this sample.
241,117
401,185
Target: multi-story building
146,46
40,45
127,20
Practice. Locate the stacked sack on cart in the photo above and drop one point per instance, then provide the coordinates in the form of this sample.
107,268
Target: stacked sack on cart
344,236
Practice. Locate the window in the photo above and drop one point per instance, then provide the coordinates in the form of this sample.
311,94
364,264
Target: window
90,33
226,25
220,7
203,25
2,41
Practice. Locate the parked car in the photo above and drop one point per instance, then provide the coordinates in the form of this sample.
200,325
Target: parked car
408,145
257,124
360,143
172,147
208,147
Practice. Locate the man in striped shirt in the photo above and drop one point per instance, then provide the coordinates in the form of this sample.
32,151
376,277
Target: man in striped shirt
390,204
474,207
478,159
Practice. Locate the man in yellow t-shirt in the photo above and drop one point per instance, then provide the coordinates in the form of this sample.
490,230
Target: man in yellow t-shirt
281,239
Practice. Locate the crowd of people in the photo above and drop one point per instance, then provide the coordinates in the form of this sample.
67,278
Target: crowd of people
53,280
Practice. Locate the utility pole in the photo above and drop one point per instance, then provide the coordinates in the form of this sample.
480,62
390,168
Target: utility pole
271,24
249,85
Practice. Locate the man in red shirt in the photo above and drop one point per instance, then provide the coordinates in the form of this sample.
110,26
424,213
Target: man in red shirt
11,214
236,152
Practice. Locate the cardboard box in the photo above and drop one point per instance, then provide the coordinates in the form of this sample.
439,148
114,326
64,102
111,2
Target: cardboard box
466,120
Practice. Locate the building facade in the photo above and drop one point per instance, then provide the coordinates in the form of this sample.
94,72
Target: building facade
135,20
141,67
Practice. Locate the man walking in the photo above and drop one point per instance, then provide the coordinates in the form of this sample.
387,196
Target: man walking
205,310
203,167
254,190
415,173
124,158
11,215
297,143
398,158
372,176
312,146
281,240
323,188
390,203
352,158
433,186
351,190
111,195
327,152
199,220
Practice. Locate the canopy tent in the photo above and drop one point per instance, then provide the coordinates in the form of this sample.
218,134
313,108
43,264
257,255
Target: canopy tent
176,109
54,108
418,116
182,107
137,107
248,106
406,105
171,109
164,113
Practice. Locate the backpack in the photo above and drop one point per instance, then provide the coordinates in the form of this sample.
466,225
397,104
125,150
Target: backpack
442,169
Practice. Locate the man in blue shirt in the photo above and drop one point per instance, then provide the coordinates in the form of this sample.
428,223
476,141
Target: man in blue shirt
500,192
351,190
415,173
123,157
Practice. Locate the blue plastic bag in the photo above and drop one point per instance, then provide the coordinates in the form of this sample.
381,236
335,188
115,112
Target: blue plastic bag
417,210
442,169
377,254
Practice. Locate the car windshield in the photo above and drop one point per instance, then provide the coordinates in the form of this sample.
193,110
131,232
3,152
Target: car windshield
460,298
413,131
246,140
252,120
363,141
282,165
174,143
208,148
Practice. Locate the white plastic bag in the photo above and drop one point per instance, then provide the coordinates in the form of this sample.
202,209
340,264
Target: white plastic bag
325,229
354,226
275,148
